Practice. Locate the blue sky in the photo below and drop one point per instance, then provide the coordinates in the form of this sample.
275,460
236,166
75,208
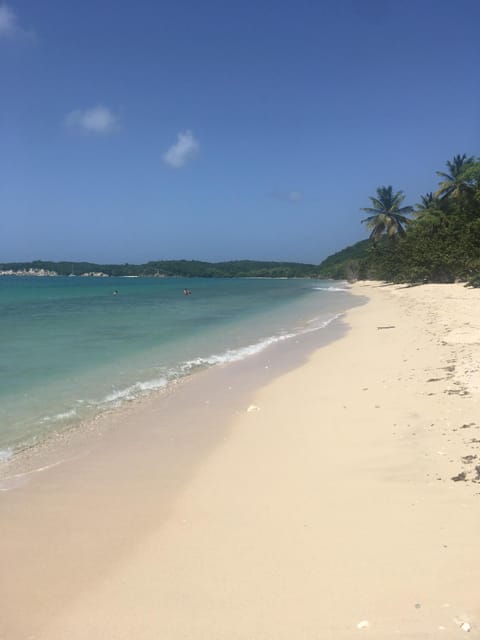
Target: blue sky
133,131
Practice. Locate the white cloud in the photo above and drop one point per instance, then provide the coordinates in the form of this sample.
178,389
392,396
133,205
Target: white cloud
288,196
98,119
9,27
185,148
8,22
294,196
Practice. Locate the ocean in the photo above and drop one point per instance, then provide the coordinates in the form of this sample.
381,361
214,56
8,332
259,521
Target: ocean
73,347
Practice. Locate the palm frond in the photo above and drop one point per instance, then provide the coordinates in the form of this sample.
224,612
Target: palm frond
447,176
374,217
377,203
370,210
407,209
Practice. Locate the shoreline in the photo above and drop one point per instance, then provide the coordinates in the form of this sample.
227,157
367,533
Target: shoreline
315,498
59,445
45,410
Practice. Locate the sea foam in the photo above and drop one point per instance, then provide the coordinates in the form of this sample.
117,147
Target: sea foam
134,391
59,417
5,454
330,289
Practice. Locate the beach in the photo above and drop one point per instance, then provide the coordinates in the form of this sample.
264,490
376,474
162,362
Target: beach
324,488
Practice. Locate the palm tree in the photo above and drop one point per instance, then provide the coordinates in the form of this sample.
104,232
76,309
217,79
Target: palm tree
453,183
430,206
430,212
387,217
427,202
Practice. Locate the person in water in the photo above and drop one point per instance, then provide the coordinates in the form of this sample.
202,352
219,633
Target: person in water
187,292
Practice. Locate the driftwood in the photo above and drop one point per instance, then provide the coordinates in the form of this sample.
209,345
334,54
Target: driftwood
389,327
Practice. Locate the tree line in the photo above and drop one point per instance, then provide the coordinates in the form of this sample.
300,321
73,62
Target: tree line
175,268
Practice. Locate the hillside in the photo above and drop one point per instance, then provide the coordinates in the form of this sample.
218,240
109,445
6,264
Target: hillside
346,264
175,268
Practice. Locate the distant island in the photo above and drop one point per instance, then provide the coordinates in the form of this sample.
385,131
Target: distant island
163,269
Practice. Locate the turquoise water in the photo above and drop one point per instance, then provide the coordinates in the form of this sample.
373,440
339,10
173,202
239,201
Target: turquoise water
70,348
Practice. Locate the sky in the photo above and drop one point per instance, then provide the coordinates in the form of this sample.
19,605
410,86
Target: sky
217,130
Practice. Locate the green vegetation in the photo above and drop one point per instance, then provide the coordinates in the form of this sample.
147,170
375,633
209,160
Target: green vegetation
347,264
437,241
386,215
176,268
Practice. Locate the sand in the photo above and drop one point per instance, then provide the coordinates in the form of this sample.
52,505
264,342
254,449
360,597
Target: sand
317,503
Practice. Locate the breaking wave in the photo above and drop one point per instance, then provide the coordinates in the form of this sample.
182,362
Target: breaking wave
138,389
330,289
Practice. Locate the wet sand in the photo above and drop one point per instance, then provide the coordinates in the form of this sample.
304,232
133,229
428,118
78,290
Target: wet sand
305,493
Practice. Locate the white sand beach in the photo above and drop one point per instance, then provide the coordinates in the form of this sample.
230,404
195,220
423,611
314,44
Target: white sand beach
320,505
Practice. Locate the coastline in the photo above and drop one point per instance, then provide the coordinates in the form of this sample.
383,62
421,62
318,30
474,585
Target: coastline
77,351
319,497
269,355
